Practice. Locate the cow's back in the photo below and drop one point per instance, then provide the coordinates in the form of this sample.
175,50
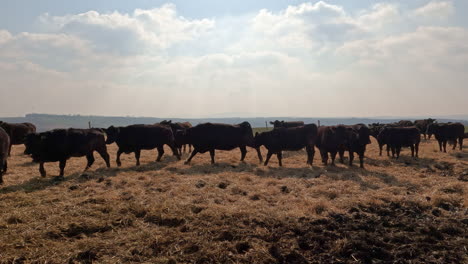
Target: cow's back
292,138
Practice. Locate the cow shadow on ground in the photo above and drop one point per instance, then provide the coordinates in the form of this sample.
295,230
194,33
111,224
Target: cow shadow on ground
208,168
39,183
406,161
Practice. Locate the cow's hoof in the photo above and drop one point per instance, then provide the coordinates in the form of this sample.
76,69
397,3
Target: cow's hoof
186,162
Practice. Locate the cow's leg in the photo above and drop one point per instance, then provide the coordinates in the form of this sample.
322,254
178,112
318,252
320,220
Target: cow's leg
380,149
190,147
388,150
351,158
119,152
310,154
62,165
160,152
333,157
341,154
440,145
412,150
279,155
393,151
259,155
416,149
137,156
398,149
243,150
324,155
268,157
90,158
194,152
42,170
105,156
361,159
9,149
460,143
174,149
444,144
454,144
212,155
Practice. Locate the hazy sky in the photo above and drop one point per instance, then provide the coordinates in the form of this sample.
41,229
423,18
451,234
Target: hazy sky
245,58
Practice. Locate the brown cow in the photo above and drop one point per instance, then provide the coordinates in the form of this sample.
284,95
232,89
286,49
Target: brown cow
398,137
178,126
293,138
329,140
4,146
17,132
423,124
445,132
62,144
356,141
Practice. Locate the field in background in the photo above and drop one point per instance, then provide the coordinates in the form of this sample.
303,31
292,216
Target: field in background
394,211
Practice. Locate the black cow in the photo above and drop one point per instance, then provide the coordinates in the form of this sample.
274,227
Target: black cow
17,132
293,138
178,126
135,138
278,124
211,136
403,123
62,144
445,132
357,138
329,140
466,135
423,124
4,146
398,137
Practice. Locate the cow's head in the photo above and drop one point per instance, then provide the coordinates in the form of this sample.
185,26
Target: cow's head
112,133
166,122
340,134
277,123
432,129
363,135
32,143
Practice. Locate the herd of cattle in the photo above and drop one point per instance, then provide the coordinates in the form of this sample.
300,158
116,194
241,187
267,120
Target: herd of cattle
59,145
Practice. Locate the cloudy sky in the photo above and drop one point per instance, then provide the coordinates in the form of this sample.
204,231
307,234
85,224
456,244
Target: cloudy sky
211,58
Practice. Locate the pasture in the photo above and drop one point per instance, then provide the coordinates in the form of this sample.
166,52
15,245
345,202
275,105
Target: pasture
405,211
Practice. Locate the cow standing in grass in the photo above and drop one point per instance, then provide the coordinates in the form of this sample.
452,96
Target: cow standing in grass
357,138
17,132
278,124
293,138
4,147
175,127
212,136
62,144
423,124
445,132
398,137
329,140
135,138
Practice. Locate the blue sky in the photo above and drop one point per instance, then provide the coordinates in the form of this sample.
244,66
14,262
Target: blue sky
252,58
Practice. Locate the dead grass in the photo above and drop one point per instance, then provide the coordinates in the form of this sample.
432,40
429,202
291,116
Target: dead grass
167,212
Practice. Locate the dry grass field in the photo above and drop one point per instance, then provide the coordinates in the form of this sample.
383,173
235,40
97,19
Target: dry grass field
394,211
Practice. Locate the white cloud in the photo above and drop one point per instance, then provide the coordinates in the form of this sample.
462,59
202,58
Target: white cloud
312,59
435,9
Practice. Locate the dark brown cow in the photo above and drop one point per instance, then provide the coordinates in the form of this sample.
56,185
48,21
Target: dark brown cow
211,136
398,137
62,144
357,138
4,147
17,132
329,140
293,138
278,124
135,138
178,126
445,132
423,124
404,123
466,135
